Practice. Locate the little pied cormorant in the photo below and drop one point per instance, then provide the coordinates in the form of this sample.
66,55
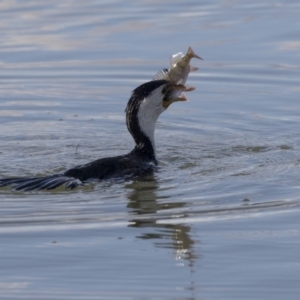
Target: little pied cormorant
145,105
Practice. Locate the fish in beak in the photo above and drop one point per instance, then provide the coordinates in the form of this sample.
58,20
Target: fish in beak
179,68
173,93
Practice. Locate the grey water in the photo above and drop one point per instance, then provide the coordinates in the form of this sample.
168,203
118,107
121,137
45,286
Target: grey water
219,219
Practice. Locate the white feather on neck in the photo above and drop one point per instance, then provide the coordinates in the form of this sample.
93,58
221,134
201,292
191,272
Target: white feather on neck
149,111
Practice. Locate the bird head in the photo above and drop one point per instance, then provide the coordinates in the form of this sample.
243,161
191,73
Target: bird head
147,102
172,93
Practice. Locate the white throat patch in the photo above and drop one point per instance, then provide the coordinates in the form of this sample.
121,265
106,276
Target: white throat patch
149,111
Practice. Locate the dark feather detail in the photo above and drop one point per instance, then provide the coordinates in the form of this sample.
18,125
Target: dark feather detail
49,182
143,144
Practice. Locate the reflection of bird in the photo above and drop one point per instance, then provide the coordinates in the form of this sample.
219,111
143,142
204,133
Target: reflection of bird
148,211
147,102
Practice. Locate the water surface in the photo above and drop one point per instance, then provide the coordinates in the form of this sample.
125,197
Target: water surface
219,220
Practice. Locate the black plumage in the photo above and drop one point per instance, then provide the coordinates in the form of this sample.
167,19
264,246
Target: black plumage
138,162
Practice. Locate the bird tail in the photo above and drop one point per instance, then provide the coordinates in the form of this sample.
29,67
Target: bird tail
40,183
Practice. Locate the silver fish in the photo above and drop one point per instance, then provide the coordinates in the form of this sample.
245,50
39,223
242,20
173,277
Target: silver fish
179,68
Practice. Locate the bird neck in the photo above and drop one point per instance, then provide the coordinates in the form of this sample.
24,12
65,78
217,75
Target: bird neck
144,145
142,112
145,151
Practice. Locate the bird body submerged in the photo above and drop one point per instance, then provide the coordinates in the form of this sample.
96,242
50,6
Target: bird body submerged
145,105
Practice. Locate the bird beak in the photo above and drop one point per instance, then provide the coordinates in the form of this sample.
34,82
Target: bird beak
181,97
173,93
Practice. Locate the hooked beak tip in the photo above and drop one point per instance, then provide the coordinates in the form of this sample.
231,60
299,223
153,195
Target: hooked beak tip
182,97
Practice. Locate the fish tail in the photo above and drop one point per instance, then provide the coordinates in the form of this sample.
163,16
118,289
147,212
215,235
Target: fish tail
192,54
